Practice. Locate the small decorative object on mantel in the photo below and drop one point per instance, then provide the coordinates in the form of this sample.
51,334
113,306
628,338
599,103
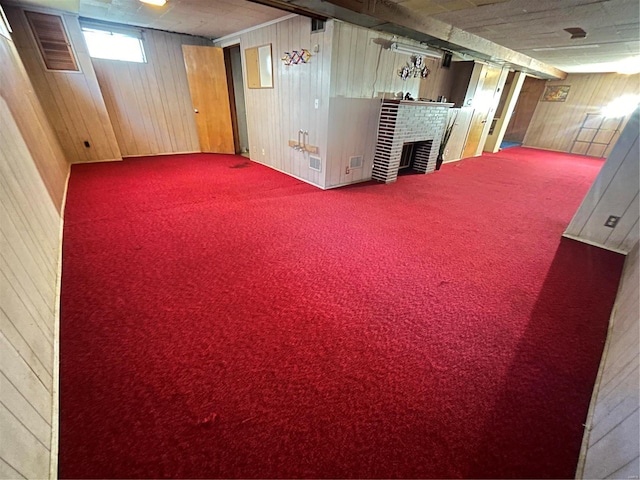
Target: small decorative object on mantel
298,56
414,69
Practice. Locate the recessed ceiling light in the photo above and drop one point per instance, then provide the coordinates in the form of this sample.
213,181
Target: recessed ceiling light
157,3
629,66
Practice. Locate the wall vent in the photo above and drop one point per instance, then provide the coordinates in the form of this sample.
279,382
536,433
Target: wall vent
315,163
355,162
52,41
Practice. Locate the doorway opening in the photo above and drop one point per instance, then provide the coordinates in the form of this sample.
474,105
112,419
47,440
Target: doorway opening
530,93
235,84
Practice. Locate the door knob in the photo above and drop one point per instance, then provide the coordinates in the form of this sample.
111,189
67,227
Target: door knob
196,110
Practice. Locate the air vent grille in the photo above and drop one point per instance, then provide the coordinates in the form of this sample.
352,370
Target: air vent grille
315,163
355,162
52,41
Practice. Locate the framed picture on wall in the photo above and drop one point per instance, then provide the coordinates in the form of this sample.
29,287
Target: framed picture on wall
556,93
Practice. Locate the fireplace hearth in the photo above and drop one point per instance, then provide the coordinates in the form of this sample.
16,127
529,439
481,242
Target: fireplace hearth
409,135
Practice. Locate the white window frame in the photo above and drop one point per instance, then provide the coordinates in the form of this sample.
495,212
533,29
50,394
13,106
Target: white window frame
114,30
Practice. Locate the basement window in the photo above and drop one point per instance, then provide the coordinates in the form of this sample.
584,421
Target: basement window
317,25
114,44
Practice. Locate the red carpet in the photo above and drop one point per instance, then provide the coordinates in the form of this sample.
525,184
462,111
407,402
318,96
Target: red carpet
220,319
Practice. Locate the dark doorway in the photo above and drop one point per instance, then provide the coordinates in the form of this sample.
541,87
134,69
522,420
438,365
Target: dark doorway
235,84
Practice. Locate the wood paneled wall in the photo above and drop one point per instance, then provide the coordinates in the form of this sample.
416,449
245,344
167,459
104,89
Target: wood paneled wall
18,92
363,72
555,125
274,115
614,192
611,441
149,103
363,66
348,76
464,77
32,178
71,100
439,81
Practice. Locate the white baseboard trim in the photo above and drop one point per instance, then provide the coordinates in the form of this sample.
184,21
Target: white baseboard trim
287,173
124,157
533,147
350,183
594,244
55,382
98,161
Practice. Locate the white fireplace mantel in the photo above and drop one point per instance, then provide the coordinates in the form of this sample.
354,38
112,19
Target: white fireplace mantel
407,121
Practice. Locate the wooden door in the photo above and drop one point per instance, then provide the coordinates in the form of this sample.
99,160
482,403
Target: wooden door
523,113
454,148
207,79
483,105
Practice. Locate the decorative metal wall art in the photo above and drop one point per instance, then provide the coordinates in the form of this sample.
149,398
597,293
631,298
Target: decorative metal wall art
414,68
297,57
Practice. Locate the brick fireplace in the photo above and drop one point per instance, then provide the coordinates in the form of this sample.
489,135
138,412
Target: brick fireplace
404,122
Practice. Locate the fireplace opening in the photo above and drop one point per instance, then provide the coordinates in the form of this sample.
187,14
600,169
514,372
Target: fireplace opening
415,157
406,159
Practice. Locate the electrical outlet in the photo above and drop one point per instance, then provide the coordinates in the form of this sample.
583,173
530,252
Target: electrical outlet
316,104
263,154
612,221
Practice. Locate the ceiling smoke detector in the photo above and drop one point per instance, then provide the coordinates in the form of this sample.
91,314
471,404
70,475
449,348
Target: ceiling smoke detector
576,32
